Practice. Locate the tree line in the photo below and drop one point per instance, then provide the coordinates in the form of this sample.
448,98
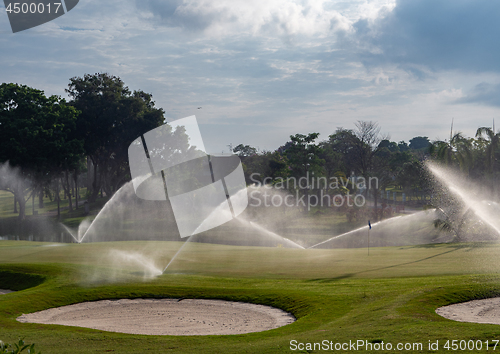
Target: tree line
361,152
365,152
50,143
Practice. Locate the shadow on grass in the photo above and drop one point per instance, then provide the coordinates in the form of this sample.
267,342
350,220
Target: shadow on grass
469,246
19,281
350,275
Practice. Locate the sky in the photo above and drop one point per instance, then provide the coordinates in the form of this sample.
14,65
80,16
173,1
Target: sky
263,70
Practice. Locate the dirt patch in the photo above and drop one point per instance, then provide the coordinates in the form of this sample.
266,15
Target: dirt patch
165,316
3,291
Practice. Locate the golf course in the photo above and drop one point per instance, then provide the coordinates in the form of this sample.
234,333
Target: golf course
231,177
337,296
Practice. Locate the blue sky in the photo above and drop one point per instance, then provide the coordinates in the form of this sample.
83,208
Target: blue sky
264,70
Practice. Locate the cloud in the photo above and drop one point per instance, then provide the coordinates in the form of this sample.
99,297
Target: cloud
483,93
439,35
277,67
259,17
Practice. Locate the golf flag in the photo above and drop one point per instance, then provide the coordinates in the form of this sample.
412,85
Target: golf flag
369,228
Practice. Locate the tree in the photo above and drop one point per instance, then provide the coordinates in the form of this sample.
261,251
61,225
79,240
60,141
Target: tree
37,134
303,154
244,150
493,144
267,164
411,175
403,146
368,134
333,159
380,168
341,145
303,157
112,117
458,151
390,145
420,142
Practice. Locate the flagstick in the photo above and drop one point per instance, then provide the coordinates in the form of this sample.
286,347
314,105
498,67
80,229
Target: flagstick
369,228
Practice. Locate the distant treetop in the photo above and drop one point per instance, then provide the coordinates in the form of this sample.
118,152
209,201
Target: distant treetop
419,142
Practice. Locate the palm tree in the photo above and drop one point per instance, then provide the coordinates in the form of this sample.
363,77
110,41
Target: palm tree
456,221
457,151
494,142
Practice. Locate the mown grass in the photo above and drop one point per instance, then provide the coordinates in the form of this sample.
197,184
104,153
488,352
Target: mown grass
336,295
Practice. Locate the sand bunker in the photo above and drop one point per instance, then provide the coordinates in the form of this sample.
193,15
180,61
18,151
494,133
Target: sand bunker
165,316
3,292
478,311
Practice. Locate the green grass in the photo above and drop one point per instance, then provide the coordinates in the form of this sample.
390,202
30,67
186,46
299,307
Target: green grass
336,295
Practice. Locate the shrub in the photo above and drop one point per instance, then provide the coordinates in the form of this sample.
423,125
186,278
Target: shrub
17,348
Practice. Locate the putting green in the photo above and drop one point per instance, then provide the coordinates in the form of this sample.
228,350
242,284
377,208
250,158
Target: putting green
337,296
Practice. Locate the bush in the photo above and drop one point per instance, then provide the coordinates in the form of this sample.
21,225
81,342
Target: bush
17,348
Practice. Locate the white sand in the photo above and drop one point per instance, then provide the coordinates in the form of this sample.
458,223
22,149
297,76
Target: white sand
478,311
3,291
165,316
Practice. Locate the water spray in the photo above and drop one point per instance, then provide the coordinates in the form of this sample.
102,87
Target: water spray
70,232
175,255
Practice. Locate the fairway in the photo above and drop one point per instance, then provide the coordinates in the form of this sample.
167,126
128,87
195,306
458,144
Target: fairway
337,295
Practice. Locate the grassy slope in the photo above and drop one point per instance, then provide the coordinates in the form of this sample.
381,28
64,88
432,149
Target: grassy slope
339,295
